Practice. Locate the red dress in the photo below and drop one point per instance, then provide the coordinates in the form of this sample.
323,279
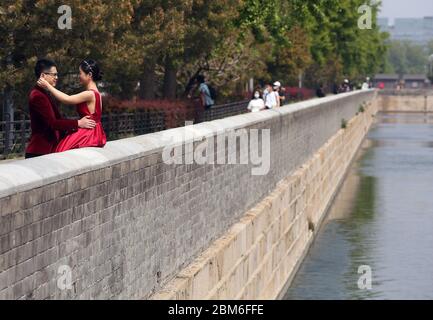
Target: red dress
86,137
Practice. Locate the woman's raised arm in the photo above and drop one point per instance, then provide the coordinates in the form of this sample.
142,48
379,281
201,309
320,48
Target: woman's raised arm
85,96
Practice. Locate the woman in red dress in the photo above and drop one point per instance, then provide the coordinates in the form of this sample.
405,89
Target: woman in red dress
88,103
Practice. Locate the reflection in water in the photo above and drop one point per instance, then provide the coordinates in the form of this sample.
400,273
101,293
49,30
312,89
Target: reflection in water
382,217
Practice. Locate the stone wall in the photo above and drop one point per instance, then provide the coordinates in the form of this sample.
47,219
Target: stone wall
120,223
258,257
406,101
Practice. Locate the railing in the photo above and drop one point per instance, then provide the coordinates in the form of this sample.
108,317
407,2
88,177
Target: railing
121,125
15,134
407,92
224,111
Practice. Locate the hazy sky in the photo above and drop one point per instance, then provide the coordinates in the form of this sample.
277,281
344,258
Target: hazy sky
406,8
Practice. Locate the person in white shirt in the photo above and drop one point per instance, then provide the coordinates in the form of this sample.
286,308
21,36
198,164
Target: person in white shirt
366,84
272,98
257,104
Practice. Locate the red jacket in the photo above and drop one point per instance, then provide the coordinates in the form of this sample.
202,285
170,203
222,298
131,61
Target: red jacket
46,123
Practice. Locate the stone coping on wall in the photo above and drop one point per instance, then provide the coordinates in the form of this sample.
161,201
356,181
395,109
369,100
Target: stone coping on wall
22,175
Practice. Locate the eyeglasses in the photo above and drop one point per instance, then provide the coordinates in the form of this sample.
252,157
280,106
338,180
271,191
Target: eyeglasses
55,75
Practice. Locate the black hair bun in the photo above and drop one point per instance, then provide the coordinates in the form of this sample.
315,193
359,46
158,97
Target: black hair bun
98,76
90,66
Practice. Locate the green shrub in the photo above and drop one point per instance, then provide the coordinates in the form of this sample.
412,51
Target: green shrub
343,123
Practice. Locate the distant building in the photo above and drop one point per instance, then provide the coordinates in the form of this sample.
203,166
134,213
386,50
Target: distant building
408,81
417,30
389,81
383,24
417,81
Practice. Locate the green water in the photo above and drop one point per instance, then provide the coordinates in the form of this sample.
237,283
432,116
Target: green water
382,218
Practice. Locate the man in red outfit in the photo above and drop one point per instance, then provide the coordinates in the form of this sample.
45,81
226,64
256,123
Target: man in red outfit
46,121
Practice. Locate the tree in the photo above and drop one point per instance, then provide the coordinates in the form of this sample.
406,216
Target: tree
405,57
154,48
29,30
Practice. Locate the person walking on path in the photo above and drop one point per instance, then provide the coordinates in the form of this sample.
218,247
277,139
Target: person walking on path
205,94
257,104
272,98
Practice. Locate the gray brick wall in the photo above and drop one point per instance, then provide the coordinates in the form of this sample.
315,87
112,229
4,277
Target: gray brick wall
123,221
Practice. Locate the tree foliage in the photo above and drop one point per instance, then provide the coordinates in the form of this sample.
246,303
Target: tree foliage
154,48
405,57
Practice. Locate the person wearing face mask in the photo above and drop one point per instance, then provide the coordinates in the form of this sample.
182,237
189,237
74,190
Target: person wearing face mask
257,104
272,97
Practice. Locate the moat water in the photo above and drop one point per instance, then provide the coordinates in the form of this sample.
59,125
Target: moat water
377,239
